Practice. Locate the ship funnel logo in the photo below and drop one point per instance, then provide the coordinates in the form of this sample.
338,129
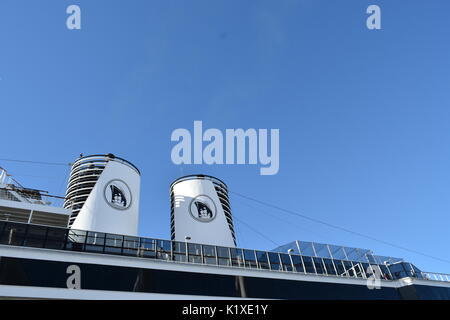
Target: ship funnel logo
118,194
202,208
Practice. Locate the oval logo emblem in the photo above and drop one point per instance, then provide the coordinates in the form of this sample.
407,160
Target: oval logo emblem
118,194
202,208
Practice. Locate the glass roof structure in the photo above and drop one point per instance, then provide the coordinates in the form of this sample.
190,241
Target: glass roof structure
322,250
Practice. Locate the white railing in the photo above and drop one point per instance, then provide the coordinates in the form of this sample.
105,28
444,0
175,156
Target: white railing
436,276
3,175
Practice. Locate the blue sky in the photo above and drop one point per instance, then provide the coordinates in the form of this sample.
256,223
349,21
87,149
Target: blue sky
363,115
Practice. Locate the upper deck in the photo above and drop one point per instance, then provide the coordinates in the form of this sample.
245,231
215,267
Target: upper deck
19,204
38,236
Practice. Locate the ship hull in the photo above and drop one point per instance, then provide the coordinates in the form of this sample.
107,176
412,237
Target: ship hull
38,273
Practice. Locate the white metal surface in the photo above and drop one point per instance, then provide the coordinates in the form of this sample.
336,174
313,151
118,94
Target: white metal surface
123,261
101,213
23,292
189,199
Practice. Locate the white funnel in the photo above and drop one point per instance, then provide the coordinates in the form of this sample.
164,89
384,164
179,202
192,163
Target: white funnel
200,211
103,194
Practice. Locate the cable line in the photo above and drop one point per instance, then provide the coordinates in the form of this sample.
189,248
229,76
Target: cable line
256,231
338,227
38,162
290,223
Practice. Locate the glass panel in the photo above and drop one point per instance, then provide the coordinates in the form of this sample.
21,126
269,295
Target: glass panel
163,249
209,255
75,240
349,268
409,269
56,238
95,238
340,268
5,233
163,245
95,242
397,270
329,267
358,270
194,249
179,247
148,248
263,261
237,257
14,234
352,253
211,260
291,246
274,260
321,250
309,266
194,253
387,260
371,259
318,263
306,248
298,264
379,259
364,257
130,246
337,252
250,260
113,244
365,266
209,251
223,256
374,271
223,252
2,226
113,240
179,251
357,254
77,235
416,272
131,242
36,236
385,272
286,262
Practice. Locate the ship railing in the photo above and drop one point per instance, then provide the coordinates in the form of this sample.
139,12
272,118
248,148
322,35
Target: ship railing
3,175
6,179
39,236
12,190
13,193
436,276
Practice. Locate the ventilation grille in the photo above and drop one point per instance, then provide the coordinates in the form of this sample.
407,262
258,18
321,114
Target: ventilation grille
83,177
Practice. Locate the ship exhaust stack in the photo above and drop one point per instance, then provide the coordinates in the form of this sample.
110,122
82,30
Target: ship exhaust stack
103,195
200,211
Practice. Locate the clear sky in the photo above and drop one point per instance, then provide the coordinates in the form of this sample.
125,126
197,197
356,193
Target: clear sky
364,115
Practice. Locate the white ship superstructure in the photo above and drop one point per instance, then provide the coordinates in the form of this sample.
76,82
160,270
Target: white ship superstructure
45,254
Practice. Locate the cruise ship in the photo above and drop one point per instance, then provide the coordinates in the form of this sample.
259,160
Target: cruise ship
90,248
